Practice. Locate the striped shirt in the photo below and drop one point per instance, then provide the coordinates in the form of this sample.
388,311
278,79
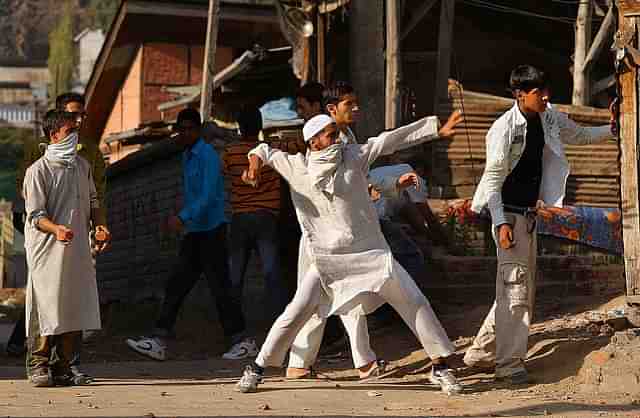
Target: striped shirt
245,198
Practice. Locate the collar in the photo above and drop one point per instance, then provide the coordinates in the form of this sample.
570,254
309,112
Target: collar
347,136
197,148
520,119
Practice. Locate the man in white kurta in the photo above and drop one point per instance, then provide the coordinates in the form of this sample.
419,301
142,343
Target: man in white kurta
62,295
352,269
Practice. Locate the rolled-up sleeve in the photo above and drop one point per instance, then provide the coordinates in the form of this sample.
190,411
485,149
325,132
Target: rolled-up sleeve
35,196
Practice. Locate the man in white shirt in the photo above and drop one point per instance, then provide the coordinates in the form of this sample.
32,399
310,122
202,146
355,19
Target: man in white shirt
351,267
526,164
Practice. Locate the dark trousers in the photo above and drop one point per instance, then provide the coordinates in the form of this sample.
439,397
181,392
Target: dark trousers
203,253
53,352
404,249
258,231
18,335
18,338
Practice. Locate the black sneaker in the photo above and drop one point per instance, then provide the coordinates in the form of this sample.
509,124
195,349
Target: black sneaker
63,380
79,378
516,379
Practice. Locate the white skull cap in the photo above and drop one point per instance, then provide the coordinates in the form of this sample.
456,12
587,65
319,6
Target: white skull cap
315,125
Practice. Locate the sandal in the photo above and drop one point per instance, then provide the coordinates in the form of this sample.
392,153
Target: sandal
295,373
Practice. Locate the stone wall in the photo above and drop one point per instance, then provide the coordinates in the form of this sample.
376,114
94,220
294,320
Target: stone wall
471,280
144,189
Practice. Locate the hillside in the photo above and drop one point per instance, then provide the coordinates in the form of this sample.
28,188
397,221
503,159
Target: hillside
25,24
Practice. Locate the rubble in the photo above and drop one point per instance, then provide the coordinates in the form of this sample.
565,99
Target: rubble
615,368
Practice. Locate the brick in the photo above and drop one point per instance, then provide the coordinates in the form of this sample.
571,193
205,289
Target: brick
600,358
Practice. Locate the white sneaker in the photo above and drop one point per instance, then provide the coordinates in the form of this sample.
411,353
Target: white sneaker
446,380
150,347
244,349
249,381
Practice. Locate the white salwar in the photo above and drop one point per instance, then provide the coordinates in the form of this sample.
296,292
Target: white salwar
62,293
351,268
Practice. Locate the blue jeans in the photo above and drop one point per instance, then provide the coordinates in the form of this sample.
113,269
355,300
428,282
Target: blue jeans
403,248
258,230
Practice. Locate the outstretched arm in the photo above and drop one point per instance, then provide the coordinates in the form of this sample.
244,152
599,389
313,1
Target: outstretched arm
419,132
280,161
574,134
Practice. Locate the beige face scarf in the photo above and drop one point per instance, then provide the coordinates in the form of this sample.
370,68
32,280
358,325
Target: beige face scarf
322,167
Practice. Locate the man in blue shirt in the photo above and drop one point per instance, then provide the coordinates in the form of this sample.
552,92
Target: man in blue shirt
203,249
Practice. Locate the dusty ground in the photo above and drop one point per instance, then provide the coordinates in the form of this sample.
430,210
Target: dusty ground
196,382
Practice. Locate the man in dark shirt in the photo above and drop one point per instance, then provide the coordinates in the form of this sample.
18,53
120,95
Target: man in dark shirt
526,163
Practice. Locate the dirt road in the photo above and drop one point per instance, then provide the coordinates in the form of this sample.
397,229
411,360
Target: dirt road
197,382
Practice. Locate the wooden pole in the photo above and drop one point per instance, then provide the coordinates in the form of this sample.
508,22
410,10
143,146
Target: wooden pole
445,48
367,66
629,172
206,95
601,41
393,73
321,50
582,40
417,16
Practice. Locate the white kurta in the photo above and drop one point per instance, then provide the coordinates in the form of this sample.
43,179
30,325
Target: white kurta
61,290
341,231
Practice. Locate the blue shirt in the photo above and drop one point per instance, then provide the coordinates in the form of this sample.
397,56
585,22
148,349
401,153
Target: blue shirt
203,188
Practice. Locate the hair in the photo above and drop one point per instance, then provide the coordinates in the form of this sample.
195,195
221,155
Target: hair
249,121
312,92
54,120
527,78
65,98
189,114
335,93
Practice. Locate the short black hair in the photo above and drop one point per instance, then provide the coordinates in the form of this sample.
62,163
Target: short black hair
313,92
65,98
527,78
54,120
189,114
336,92
249,121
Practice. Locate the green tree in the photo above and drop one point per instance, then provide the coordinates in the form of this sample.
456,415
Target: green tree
11,152
103,13
61,53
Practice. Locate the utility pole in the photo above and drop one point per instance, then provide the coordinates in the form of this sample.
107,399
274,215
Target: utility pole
583,41
367,67
206,95
393,73
445,50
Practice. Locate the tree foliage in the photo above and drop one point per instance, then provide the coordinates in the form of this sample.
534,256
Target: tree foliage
11,152
23,28
61,52
103,13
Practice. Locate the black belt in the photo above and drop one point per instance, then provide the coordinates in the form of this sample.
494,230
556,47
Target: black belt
520,210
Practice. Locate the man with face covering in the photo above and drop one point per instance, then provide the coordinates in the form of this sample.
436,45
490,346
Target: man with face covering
62,294
351,268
